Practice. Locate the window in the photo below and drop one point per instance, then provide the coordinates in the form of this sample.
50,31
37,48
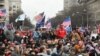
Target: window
14,6
97,15
10,8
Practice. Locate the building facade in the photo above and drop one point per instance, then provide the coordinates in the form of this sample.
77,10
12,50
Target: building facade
15,5
69,3
4,11
92,8
8,8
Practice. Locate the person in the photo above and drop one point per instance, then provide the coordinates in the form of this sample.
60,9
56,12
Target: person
17,37
52,35
10,33
75,36
58,50
36,35
69,29
2,35
61,32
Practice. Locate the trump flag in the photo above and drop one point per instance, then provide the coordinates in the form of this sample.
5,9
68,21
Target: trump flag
39,17
67,22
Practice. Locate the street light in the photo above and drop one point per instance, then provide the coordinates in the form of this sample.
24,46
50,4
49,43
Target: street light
95,18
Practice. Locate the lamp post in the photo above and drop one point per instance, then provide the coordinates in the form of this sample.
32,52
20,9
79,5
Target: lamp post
95,18
87,19
82,21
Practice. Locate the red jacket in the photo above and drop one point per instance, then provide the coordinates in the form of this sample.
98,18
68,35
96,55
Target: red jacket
61,33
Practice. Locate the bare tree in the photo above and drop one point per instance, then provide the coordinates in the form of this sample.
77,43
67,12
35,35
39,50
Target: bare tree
76,19
14,16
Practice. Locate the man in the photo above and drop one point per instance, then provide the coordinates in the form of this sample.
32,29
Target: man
69,29
2,35
10,34
61,32
36,35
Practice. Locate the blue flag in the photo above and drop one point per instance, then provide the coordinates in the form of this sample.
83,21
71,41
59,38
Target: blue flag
67,22
69,29
40,24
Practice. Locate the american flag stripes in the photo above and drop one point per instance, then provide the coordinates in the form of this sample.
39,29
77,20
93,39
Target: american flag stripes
39,17
67,22
2,12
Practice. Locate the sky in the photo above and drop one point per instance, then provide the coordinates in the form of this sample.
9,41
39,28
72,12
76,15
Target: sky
33,7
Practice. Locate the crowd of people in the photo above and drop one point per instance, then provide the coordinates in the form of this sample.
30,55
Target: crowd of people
56,42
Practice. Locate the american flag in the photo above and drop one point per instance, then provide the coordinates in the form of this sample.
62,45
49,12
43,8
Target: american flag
48,25
2,12
41,23
67,22
39,17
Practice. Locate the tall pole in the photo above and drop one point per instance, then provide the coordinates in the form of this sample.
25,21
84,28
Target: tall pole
81,14
95,19
22,24
87,20
82,20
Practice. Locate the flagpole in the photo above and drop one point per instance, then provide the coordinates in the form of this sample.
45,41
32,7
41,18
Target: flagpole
71,24
22,24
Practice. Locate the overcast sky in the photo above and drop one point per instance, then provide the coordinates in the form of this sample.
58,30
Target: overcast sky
34,7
